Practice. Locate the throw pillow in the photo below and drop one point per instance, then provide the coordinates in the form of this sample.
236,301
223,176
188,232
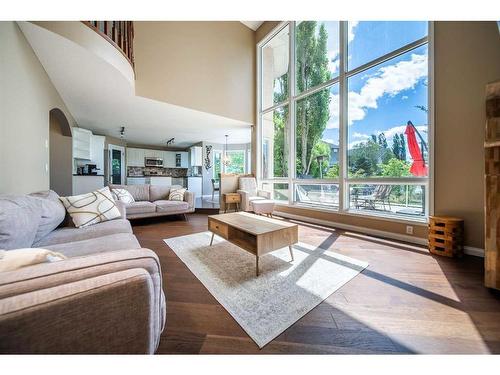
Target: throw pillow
19,219
123,195
91,208
176,194
52,212
14,259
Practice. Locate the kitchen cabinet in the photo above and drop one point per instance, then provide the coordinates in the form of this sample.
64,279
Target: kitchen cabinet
181,159
196,156
194,184
153,153
135,157
168,159
82,139
97,152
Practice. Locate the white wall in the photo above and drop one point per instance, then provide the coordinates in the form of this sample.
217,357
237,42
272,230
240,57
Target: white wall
26,97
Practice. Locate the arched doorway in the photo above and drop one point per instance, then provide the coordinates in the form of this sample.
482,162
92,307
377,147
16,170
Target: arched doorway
60,153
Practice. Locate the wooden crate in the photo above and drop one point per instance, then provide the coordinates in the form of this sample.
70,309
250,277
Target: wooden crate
446,236
492,187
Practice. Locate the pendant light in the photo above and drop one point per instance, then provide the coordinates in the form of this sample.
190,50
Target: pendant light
225,160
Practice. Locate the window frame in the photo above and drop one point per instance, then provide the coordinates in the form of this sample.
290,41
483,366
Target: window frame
342,79
214,152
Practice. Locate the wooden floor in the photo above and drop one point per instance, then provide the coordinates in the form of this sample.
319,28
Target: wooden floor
406,301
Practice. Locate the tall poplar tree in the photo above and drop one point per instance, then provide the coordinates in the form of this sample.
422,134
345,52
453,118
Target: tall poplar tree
312,112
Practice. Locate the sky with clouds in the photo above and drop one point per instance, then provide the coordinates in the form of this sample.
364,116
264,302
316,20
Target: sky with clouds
383,98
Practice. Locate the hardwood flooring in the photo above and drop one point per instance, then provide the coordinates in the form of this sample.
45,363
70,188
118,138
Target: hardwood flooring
406,301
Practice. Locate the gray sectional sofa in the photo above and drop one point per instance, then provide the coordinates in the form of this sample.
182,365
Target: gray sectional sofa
106,297
152,200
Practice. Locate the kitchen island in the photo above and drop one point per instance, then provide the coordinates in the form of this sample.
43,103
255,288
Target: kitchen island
149,180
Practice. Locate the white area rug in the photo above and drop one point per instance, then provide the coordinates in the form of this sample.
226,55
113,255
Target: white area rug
285,291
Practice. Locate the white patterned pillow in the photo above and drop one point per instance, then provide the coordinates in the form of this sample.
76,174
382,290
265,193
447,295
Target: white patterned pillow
91,208
122,195
176,194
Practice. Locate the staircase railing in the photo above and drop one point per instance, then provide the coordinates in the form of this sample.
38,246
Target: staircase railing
119,33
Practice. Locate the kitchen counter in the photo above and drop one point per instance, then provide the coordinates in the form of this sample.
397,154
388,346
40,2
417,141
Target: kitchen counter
153,175
149,180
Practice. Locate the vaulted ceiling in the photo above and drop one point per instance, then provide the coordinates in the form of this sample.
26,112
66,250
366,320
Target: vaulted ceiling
101,99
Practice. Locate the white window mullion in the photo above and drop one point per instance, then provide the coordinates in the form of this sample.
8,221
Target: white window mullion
431,120
258,129
291,113
343,144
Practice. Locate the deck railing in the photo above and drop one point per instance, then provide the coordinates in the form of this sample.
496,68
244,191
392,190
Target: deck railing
119,33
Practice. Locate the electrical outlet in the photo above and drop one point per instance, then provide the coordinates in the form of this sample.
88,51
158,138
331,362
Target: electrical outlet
409,229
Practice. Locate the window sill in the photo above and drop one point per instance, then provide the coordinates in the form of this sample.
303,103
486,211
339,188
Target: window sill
421,221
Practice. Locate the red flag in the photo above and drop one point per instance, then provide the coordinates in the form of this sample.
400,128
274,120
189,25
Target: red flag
418,168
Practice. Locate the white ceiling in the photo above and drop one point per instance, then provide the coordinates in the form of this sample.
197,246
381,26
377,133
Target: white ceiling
254,25
102,100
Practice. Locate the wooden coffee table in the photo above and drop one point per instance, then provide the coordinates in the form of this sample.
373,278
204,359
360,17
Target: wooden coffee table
256,234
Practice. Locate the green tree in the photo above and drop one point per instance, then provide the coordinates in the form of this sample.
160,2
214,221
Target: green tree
312,113
333,171
237,164
396,168
399,146
281,128
382,141
320,149
366,158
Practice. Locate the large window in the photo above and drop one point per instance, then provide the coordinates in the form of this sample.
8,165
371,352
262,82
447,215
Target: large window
344,121
236,161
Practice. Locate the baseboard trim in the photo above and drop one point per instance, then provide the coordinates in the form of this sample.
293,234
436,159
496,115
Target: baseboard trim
474,251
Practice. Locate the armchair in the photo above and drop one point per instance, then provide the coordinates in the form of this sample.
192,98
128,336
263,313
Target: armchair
249,192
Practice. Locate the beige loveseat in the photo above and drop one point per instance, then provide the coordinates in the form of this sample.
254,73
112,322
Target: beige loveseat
152,200
106,297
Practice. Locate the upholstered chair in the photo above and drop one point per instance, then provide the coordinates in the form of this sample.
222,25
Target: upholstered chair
249,192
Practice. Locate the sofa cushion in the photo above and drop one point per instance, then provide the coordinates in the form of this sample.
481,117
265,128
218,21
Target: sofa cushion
171,206
158,192
91,208
140,208
52,213
112,242
139,192
19,219
68,234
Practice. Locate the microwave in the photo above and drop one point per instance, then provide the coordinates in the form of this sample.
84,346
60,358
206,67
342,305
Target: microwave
153,162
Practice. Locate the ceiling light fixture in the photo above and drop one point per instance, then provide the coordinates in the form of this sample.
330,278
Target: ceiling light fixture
171,141
122,132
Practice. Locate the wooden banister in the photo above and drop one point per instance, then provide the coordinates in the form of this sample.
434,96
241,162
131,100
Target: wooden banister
119,33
